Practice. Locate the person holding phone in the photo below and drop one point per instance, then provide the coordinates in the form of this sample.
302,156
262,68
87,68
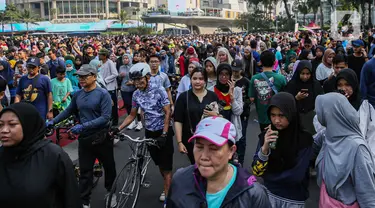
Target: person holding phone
305,89
284,167
358,58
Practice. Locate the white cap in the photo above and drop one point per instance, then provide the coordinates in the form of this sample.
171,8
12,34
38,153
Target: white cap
215,129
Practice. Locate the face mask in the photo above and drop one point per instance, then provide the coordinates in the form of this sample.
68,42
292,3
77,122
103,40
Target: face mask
69,68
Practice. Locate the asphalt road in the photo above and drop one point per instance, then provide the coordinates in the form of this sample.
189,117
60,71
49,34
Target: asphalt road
150,197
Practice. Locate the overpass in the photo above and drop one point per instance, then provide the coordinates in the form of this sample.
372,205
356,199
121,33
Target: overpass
198,24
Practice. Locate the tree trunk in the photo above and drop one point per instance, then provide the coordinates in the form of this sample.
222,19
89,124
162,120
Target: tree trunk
321,15
369,15
315,17
304,19
287,9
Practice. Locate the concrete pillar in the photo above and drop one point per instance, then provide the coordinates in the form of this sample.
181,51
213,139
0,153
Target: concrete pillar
42,14
54,7
118,7
107,9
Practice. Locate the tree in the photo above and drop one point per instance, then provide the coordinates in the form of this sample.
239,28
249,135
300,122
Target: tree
314,5
11,14
27,17
123,18
304,9
3,20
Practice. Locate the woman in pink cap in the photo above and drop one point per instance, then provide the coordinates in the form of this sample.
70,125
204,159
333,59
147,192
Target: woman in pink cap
213,181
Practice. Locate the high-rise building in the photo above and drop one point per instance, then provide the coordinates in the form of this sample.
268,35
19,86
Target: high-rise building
89,9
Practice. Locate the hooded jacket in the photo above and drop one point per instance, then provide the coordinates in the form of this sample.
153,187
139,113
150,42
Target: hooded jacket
125,69
36,172
188,189
286,169
211,83
70,75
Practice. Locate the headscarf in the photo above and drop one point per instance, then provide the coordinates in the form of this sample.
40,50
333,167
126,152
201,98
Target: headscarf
343,138
76,65
70,74
33,129
296,84
264,45
224,50
249,63
351,77
224,88
291,139
327,53
130,57
7,72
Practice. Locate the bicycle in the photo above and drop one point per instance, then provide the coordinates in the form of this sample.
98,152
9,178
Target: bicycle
128,182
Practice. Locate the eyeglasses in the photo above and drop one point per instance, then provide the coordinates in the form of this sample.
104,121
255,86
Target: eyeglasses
154,62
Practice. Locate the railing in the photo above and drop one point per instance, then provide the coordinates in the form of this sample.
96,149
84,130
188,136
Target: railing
183,14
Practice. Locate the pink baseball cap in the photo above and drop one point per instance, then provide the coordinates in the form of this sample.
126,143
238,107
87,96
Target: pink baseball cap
215,129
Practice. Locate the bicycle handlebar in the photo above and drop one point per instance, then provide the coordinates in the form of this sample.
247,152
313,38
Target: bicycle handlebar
137,140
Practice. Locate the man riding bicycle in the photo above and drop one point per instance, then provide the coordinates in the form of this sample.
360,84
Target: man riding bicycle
94,107
155,104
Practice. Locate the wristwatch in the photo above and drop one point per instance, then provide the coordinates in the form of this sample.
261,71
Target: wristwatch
164,134
50,111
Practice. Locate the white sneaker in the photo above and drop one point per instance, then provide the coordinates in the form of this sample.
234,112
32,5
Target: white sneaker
132,125
113,200
139,126
162,197
86,206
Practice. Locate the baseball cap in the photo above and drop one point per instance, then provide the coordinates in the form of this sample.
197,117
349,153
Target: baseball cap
358,43
33,61
216,130
104,51
236,65
86,69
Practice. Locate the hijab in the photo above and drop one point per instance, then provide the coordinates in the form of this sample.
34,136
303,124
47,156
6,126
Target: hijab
224,88
7,72
70,74
224,50
130,57
351,77
33,128
296,84
343,138
327,53
291,139
76,65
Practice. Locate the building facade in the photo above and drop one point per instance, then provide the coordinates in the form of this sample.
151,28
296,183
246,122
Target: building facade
84,9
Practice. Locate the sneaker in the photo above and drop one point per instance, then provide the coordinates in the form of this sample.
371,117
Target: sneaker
86,206
132,125
162,197
113,200
139,126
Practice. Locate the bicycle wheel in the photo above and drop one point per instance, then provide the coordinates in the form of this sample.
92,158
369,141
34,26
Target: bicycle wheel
126,186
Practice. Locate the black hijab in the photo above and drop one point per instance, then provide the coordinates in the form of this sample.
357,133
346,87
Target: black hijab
313,87
292,139
33,128
224,88
351,77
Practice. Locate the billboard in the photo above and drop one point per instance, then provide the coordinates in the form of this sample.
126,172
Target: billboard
177,5
2,5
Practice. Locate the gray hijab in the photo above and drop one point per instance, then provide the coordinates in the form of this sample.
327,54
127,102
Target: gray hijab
343,138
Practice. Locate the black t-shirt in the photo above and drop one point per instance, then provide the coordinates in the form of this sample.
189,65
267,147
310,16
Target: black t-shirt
195,110
356,63
244,83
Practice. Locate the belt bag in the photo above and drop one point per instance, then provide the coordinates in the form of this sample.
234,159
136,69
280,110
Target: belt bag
96,138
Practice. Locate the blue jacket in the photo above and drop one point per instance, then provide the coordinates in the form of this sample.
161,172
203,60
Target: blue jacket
172,68
188,189
367,82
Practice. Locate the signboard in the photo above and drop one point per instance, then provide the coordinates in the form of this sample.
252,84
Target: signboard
177,5
2,5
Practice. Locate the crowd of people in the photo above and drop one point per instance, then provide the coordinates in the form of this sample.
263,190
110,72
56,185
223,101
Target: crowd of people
314,97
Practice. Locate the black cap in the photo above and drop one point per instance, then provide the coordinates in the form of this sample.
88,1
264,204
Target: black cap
236,65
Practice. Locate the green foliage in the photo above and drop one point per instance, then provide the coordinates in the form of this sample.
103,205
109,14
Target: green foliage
140,30
27,17
123,17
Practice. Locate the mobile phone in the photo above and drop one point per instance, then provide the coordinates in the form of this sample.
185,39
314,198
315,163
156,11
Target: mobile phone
341,91
273,144
304,90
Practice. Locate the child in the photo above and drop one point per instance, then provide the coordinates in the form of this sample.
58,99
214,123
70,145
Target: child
61,88
70,71
19,71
